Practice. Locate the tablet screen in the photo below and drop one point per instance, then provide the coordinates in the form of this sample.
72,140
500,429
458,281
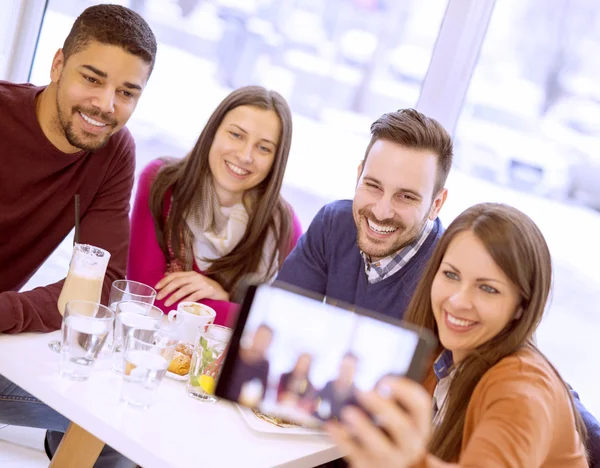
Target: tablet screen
302,359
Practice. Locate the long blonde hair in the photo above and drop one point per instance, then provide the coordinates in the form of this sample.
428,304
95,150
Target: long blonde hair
518,247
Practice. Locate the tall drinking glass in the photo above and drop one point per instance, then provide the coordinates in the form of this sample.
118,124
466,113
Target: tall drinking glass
127,290
85,328
207,360
147,357
130,316
84,279
86,275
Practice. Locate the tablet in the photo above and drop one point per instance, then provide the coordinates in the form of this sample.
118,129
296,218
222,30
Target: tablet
300,359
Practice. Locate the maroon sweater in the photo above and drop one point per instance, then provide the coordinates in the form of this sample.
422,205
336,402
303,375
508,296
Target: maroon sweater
37,187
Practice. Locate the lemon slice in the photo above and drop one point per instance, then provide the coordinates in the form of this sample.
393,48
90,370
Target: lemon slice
207,383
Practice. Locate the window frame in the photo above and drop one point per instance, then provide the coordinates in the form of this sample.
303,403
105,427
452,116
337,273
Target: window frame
22,26
453,61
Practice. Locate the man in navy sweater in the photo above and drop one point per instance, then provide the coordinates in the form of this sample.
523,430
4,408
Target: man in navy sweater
371,251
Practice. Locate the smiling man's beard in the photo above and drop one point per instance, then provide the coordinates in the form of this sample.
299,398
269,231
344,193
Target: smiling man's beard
65,125
91,143
383,248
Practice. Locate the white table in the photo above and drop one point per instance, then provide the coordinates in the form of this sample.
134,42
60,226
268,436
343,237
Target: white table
176,431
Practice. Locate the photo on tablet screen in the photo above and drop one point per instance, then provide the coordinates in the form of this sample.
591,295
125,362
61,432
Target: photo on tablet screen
301,359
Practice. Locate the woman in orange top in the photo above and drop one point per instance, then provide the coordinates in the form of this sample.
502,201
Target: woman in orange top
498,402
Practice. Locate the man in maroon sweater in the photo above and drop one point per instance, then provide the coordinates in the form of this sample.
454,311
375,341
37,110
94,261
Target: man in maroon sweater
69,138
57,141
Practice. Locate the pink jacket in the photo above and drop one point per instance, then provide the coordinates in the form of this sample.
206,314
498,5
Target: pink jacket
147,263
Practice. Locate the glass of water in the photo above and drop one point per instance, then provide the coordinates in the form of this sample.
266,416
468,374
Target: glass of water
147,357
132,315
85,328
127,290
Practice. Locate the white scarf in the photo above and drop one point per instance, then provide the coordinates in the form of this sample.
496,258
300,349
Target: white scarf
209,245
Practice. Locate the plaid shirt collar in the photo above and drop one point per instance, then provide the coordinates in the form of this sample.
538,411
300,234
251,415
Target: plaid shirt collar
381,269
443,368
443,365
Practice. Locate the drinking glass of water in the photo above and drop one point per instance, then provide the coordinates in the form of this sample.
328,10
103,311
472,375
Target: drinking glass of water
85,327
147,357
131,315
127,290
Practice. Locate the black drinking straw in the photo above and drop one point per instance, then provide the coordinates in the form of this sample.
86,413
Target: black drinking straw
76,218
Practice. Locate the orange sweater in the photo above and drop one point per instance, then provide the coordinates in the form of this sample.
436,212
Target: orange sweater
520,416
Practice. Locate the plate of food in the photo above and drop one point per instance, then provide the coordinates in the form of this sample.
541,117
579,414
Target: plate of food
261,422
179,367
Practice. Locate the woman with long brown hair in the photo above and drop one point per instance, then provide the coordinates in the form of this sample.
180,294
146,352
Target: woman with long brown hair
497,400
202,223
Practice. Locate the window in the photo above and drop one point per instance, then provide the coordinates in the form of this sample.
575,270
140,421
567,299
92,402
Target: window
529,136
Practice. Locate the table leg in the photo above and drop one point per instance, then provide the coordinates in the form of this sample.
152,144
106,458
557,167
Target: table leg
78,449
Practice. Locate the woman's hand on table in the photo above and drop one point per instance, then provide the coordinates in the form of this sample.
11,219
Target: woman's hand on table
403,409
189,286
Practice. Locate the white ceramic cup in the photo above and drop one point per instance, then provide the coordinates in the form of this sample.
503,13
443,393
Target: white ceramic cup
193,315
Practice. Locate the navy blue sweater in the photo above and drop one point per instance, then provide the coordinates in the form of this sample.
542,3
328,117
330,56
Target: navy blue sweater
327,262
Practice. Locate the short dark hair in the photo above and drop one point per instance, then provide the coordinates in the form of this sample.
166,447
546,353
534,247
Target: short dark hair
112,25
410,128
